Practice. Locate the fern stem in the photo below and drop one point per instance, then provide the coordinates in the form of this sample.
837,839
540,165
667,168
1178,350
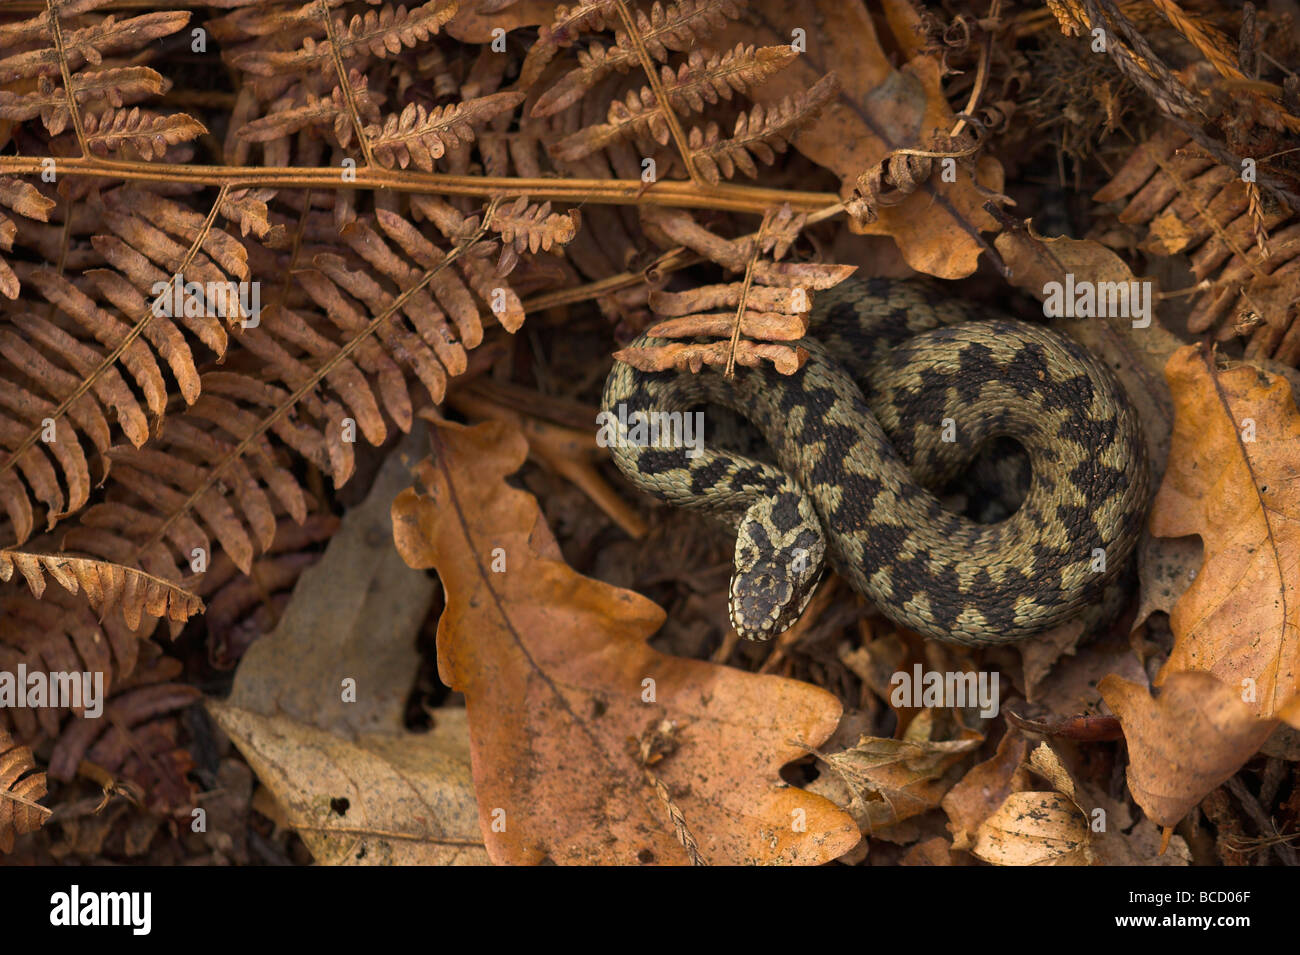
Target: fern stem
56,32
670,261
357,126
724,197
661,98
756,246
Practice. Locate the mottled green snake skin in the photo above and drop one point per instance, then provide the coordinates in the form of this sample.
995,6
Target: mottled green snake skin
858,435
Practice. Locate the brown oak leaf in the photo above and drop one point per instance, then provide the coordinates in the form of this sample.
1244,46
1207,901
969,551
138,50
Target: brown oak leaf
588,746
1233,478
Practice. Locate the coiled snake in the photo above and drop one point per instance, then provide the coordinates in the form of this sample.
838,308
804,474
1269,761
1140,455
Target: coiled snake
901,391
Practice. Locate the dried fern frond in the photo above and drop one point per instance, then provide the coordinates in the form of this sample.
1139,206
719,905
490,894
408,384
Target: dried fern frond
137,738
212,474
530,228
33,73
1244,251
330,112
127,133
115,87
26,200
705,78
422,136
69,361
676,27
21,785
134,133
759,134
85,45
107,586
771,314
676,356
771,304
379,33
60,632
563,31
570,22
331,357
735,255
443,318
506,305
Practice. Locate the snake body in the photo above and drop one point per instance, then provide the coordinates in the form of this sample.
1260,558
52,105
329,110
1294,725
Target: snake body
902,389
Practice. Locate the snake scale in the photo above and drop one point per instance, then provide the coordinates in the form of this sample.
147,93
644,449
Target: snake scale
903,388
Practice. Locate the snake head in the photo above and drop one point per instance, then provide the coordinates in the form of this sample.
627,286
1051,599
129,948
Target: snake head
778,565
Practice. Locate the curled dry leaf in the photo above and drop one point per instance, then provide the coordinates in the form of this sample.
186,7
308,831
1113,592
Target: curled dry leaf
998,813
1184,743
1039,828
890,780
985,787
568,706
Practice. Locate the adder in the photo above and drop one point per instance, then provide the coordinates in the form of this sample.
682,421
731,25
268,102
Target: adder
902,389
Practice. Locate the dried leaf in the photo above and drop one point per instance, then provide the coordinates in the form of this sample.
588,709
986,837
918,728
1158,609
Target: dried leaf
560,686
380,799
1184,743
358,787
1233,672
1035,828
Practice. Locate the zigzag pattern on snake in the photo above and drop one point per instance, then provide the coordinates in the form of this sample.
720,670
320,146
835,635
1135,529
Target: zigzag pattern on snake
902,389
